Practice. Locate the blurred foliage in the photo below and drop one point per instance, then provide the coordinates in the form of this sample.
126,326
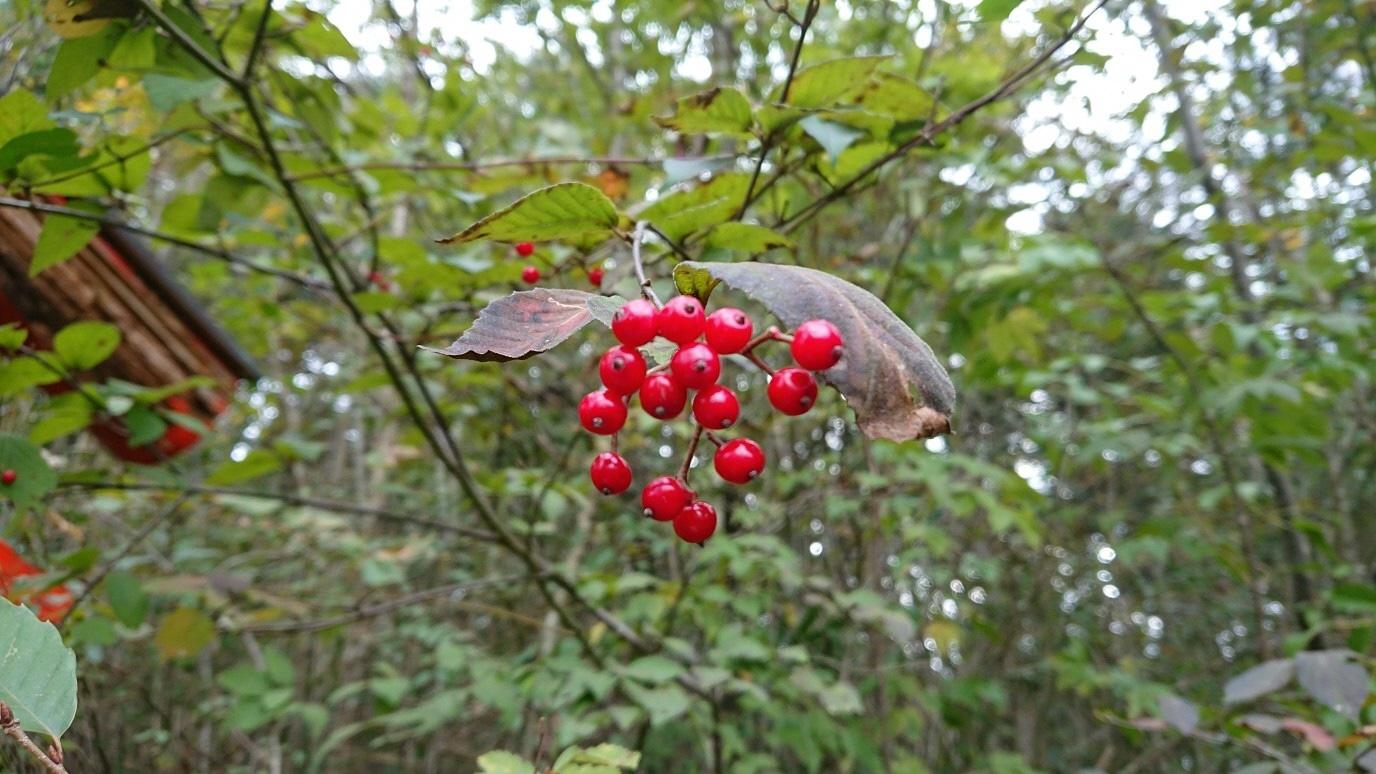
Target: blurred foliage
1147,269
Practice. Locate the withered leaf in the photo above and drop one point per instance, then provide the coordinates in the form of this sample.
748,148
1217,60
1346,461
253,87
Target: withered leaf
528,322
889,375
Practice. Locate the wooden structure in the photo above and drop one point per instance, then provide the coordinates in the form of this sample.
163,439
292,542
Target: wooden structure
167,337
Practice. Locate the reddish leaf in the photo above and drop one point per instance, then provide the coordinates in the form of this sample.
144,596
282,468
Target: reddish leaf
889,376
528,322
1317,736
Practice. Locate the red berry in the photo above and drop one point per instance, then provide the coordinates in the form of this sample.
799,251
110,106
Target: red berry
9,476
696,522
610,473
662,396
728,330
530,275
716,407
739,461
602,412
379,281
792,391
524,249
696,366
816,345
681,320
634,324
622,370
595,276
664,497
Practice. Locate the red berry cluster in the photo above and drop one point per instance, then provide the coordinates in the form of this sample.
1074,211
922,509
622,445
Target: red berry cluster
664,392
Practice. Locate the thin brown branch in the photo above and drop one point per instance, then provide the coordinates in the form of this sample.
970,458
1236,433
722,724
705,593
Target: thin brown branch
9,725
477,166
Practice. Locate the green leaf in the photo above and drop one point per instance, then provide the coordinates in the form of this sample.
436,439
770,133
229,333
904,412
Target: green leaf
899,98
60,142
747,238
695,282
888,375
833,137
997,10
168,91
563,211
33,477
85,345
259,462
61,238
695,209
66,414
715,111
12,336
653,669
127,598
1359,598
828,83
37,672
136,49
185,632
503,762
664,703
78,60
529,322
21,112
22,373
144,425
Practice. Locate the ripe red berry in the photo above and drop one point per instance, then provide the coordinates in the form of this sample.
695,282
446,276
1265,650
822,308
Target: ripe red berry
716,408
524,249
739,460
376,279
728,330
622,369
635,323
792,391
696,522
696,366
595,276
610,473
664,497
530,275
9,476
816,345
602,412
681,320
662,396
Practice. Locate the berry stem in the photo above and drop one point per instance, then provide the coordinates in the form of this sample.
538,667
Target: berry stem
692,448
770,334
659,369
714,438
637,238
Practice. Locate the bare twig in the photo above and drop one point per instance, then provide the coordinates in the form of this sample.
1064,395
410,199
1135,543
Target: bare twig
637,239
477,166
9,725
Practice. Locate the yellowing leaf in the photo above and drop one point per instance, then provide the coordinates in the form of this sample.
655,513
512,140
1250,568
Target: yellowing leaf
184,632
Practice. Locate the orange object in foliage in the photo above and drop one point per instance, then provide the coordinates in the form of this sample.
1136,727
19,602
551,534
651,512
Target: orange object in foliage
176,439
52,603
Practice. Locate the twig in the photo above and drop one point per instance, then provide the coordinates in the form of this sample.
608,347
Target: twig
768,143
213,252
259,33
637,238
124,551
1008,86
477,166
688,457
9,724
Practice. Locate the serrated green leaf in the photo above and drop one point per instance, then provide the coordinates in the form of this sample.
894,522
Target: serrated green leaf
60,143
746,237
85,345
653,669
695,209
694,282
61,238
562,211
37,672
899,98
722,110
828,83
